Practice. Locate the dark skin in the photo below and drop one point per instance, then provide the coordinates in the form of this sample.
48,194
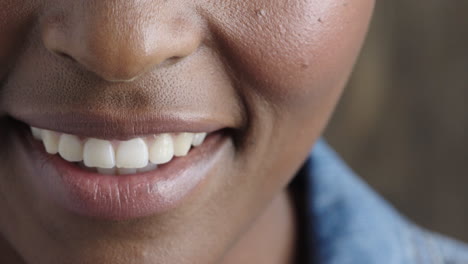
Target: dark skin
269,70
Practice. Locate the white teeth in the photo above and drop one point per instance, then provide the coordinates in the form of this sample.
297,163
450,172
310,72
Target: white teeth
51,141
137,155
37,133
70,148
198,139
150,167
125,171
162,149
132,154
182,143
99,153
111,171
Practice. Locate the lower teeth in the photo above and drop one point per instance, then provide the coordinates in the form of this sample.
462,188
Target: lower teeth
118,171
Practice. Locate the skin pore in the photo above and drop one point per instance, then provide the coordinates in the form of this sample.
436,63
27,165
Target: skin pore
269,71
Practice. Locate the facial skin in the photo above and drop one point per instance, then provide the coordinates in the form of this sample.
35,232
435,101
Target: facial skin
269,70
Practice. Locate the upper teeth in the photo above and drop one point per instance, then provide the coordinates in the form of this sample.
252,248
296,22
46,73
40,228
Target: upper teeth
125,157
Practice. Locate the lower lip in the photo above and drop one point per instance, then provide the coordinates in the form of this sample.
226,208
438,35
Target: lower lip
127,196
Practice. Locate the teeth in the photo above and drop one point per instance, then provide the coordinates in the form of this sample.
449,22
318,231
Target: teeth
126,171
111,171
51,141
70,148
198,139
162,149
99,153
137,155
132,154
37,133
182,144
150,167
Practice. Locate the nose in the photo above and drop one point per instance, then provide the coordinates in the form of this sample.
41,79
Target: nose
119,40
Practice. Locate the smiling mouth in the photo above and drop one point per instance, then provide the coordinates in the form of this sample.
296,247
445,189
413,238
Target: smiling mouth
134,177
114,157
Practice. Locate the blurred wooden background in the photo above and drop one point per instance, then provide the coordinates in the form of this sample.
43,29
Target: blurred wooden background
402,123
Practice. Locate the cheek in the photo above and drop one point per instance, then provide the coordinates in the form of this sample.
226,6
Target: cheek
15,17
290,52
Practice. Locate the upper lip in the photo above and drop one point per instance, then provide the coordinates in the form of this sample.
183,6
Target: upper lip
108,126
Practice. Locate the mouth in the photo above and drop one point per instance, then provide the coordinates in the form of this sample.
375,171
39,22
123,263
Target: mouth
114,157
122,179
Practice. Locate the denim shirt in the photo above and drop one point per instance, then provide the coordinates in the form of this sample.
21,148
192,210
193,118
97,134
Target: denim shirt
346,222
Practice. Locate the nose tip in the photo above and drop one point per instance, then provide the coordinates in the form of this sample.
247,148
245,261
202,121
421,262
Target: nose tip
120,47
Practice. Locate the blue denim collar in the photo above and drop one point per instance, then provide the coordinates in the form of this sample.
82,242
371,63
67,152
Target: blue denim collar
348,223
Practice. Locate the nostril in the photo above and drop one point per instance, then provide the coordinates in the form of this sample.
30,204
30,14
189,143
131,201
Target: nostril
64,55
170,61
118,49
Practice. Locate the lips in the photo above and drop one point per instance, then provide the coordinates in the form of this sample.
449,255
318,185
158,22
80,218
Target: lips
120,180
